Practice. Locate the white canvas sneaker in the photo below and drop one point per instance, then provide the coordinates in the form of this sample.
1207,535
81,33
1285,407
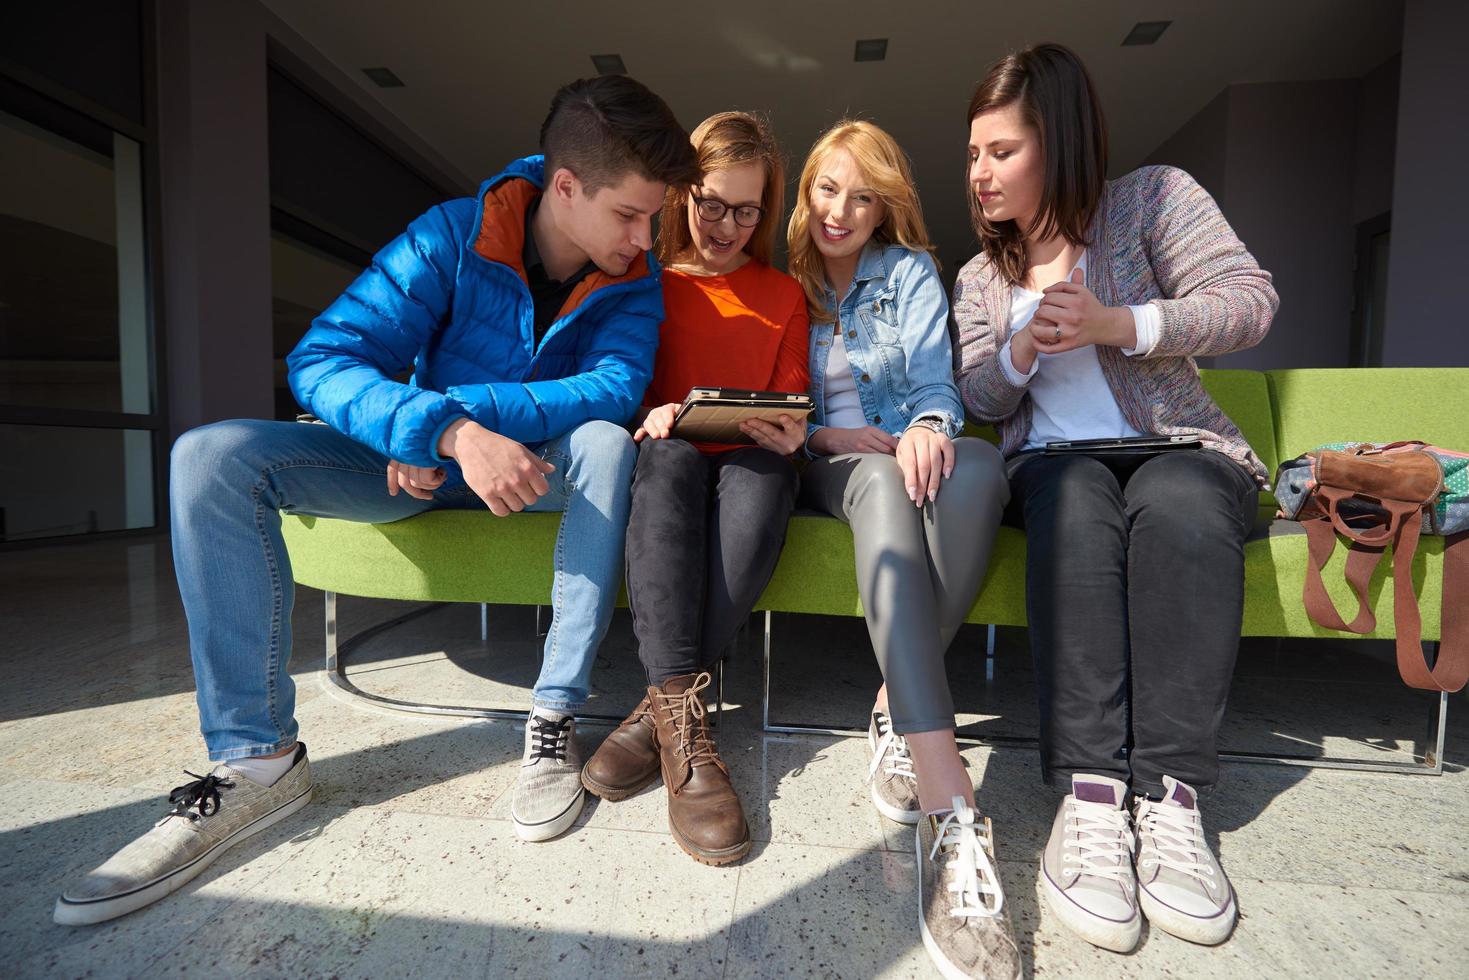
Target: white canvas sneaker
209,816
1182,889
1086,869
548,793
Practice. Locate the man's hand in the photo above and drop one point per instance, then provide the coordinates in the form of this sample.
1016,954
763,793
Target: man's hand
829,441
782,439
1070,316
416,481
506,476
658,424
926,458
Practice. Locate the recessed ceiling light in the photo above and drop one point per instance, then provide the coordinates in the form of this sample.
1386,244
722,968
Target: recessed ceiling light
609,64
383,77
872,49
1146,32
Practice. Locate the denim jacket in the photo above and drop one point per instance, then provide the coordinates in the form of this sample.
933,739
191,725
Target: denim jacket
895,327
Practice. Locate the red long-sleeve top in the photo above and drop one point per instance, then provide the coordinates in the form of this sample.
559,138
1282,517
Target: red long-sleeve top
747,329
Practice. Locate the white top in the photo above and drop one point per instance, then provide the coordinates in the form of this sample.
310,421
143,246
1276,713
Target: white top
1068,392
843,407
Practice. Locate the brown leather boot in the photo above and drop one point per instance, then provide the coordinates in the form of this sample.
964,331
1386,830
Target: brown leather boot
626,761
704,811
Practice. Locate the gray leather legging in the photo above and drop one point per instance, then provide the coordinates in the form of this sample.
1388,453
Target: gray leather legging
918,570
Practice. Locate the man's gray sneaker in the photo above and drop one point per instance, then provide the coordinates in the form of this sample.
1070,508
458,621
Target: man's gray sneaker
209,816
548,794
894,786
1183,890
1086,869
961,903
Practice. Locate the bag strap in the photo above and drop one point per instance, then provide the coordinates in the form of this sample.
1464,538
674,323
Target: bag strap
1451,670
1361,562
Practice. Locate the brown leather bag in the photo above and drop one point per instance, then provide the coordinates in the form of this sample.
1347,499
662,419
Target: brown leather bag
1376,496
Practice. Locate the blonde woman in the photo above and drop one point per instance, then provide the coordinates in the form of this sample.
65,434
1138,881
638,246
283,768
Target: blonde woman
923,506
707,521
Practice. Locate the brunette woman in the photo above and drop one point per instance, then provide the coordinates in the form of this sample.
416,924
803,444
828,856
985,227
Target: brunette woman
1080,319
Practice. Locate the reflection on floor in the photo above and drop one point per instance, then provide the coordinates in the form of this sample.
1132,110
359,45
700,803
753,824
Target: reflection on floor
407,861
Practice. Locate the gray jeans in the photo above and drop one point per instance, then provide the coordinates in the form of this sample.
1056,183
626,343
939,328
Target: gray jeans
918,569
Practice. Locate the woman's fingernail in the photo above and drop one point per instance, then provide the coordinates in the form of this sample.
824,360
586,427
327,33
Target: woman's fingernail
948,472
932,494
912,493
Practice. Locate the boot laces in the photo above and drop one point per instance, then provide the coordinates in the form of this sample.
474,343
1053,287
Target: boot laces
690,722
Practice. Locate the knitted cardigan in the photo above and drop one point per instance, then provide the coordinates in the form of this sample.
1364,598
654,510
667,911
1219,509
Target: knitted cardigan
1158,237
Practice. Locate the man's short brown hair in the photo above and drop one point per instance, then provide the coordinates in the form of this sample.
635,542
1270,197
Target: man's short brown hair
604,128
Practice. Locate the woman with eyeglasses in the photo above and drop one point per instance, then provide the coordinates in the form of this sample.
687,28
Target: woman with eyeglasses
707,521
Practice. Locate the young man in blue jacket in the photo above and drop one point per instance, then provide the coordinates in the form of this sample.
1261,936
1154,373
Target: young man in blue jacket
530,318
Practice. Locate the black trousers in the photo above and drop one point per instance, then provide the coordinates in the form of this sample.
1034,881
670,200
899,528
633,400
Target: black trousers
1134,587
703,538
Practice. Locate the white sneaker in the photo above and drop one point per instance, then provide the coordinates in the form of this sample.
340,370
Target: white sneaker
548,793
1086,869
1183,890
894,784
961,903
209,816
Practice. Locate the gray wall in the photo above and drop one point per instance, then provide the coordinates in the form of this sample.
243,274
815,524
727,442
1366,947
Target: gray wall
1200,146
216,163
1295,166
1288,191
216,211
1425,305
1377,128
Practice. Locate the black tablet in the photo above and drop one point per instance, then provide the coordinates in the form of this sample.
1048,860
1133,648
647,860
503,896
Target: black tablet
1125,444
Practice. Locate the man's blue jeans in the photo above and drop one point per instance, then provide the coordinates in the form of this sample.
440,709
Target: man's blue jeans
230,483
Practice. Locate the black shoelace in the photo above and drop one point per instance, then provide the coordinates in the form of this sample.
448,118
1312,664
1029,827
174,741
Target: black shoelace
202,794
548,738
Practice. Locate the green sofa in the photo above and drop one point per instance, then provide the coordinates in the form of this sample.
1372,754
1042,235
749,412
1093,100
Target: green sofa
460,556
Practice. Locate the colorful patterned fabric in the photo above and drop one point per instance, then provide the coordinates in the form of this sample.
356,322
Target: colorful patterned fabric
1450,511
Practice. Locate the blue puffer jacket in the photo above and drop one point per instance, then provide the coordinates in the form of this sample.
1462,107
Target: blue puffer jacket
449,297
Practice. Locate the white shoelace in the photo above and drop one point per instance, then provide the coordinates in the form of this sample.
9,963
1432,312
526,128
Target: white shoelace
892,748
973,881
1102,841
1176,836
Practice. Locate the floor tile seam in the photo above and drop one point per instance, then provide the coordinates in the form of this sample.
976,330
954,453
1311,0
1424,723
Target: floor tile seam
1462,892
651,831
734,910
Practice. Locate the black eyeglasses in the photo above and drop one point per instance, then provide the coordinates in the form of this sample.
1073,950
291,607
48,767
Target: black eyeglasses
711,209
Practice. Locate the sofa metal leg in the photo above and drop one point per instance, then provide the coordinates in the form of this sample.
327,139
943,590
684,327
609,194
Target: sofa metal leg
1432,764
1434,756
338,652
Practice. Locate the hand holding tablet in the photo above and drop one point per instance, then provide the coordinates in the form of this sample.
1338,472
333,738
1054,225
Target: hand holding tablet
715,414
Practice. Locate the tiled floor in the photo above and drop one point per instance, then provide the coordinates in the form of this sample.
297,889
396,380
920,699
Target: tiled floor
406,863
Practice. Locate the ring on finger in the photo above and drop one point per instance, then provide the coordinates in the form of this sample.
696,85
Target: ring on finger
1058,332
